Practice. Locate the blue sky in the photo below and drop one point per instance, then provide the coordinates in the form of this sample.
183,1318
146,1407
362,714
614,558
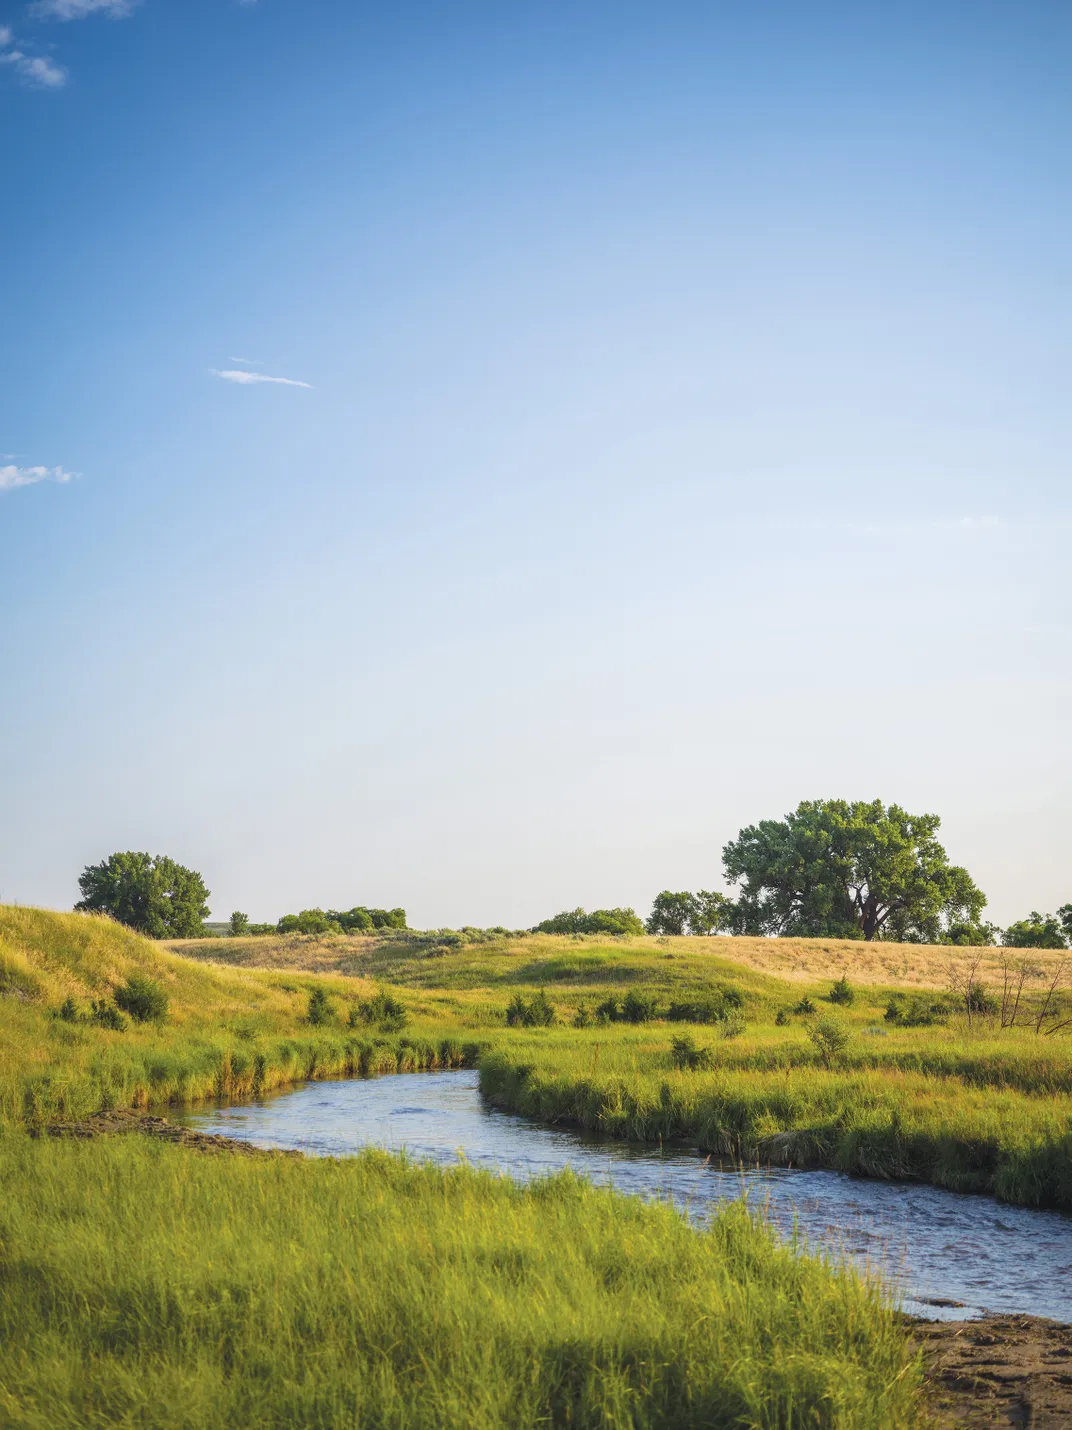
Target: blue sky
686,433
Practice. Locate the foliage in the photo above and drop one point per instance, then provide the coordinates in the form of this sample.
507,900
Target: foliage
703,913
686,1054
639,1007
150,893
143,998
106,1015
918,1010
713,1008
383,1011
538,1012
842,992
849,870
806,1005
607,921
239,924
1038,931
733,1025
319,1010
356,920
829,1037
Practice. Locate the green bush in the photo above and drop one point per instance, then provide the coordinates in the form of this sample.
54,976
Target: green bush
537,1013
107,1015
583,1016
143,998
688,1056
733,1025
618,922
805,1006
69,1010
382,1010
609,1011
638,1007
320,1009
829,1038
843,992
917,1010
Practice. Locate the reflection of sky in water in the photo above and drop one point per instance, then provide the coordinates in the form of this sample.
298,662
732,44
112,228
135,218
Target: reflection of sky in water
931,1243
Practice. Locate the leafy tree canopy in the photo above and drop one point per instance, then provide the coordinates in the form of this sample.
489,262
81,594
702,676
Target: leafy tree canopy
702,913
1036,931
610,921
834,869
150,893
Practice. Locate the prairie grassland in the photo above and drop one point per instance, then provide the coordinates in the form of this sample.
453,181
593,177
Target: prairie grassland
979,1109
148,1286
506,958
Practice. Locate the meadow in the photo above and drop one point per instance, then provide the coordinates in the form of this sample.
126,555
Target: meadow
148,1284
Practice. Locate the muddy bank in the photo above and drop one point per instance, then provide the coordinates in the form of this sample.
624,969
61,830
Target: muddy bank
123,1120
1013,1371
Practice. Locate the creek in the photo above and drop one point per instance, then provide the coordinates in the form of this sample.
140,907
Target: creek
947,1255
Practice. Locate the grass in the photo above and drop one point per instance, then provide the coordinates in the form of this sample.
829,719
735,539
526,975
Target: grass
145,1285
148,1286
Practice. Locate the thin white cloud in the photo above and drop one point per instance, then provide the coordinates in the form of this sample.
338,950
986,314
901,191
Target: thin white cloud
35,69
12,477
79,9
237,375
247,362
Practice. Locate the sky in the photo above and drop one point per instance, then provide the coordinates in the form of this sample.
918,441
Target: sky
478,457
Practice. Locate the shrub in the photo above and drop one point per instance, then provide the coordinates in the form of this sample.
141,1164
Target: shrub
638,1007
733,1025
143,998
713,1009
107,1015
688,1056
320,1009
830,1038
917,1011
69,1010
382,1010
781,1017
843,992
583,1017
538,1013
805,1006
609,921
609,1011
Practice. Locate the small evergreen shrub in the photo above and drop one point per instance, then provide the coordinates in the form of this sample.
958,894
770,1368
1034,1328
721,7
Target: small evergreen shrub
805,1006
382,1011
69,1010
583,1017
537,1013
107,1015
843,992
638,1007
609,1011
319,1010
916,1010
781,1018
143,998
688,1056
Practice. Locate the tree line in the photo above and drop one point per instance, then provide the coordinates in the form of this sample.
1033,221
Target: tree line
830,869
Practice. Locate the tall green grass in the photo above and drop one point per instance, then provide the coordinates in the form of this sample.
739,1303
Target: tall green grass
147,1286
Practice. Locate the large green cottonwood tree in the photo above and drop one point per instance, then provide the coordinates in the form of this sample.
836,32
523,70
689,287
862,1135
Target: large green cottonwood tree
837,869
150,893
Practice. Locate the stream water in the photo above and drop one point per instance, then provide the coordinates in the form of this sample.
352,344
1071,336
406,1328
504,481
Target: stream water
935,1247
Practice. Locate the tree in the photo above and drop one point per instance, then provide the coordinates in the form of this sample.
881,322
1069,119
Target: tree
610,921
711,913
1036,931
672,913
239,924
150,893
834,869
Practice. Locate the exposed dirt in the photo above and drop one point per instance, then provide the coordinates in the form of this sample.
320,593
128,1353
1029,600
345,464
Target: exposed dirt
122,1120
998,1371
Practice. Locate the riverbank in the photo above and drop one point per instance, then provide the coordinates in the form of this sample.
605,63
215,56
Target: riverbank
998,1371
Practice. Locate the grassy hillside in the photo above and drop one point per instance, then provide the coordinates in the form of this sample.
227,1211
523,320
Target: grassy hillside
148,1285
980,1108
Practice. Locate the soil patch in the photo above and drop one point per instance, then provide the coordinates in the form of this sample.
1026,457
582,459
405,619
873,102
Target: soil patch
123,1120
998,1371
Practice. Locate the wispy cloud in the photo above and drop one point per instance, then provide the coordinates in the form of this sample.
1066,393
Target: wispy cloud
35,69
79,9
237,375
11,477
246,362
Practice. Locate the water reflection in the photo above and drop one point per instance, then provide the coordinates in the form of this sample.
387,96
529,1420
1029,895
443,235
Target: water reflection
934,1246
